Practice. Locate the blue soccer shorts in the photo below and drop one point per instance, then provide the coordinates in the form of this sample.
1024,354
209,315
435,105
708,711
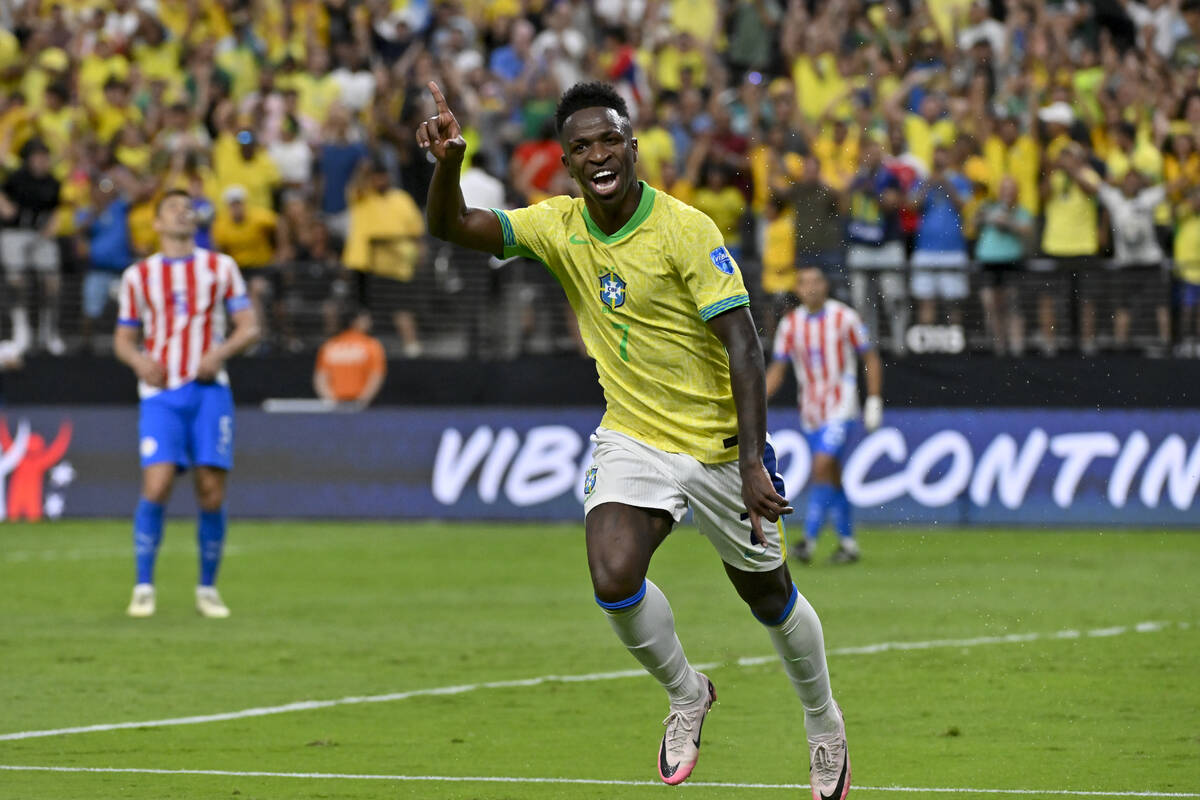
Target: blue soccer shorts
830,438
188,426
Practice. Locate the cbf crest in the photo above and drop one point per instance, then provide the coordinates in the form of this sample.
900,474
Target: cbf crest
612,290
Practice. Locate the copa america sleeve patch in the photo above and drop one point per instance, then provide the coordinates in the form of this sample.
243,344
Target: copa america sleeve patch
722,260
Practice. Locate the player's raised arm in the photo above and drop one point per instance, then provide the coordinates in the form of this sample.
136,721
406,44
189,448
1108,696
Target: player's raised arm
445,210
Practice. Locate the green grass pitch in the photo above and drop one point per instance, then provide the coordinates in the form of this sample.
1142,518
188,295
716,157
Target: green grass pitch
329,611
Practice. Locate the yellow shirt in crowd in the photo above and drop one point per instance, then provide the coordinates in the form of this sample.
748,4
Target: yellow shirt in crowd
923,136
1071,219
839,162
259,175
818,83
1187,244
384,229
655,148
1021,162
251,242
779,254
724,207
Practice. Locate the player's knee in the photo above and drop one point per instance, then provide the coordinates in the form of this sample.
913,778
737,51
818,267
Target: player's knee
211,501
156,491
771,608
210,497
157,481
615,577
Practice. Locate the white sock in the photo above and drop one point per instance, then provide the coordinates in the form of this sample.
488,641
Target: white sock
47,323
801,645
20,325
648,631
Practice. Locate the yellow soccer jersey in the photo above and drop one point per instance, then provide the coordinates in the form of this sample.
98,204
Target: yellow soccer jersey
643,297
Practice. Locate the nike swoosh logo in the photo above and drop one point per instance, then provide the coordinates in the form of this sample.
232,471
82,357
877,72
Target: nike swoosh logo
667,769
574,239
841,784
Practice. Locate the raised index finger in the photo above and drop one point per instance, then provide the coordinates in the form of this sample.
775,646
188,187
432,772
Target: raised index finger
439,98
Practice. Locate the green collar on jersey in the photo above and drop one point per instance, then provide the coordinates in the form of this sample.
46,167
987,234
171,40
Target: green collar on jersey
645,206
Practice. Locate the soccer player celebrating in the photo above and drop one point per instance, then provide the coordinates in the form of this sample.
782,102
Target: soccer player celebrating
663,311
179,298
821,339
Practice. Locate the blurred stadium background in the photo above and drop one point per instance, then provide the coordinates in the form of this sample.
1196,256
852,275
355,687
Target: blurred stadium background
1049,384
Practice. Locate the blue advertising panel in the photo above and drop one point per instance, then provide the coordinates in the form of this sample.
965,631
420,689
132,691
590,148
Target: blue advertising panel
988,466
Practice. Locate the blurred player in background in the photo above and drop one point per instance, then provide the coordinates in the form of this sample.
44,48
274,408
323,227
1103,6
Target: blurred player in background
178,299
822,339
664,312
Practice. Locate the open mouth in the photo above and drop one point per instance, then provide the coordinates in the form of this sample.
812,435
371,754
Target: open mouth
605,181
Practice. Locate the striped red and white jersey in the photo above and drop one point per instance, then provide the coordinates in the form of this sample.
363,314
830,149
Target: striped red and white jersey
181,306
823,348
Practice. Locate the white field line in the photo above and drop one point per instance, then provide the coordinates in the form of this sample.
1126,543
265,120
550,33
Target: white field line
90,553
313,705
575,781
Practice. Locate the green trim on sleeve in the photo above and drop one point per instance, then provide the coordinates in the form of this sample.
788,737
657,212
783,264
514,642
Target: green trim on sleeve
721,306
510,238
511,248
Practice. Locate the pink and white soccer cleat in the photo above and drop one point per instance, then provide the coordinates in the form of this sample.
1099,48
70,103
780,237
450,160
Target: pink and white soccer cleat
829,763
680,748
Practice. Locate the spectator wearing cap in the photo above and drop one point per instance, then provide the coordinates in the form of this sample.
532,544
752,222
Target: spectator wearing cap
28,201
384,248
252,235
238,160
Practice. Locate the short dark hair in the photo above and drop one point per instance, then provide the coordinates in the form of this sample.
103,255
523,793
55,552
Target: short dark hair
588,95
167,195
33,147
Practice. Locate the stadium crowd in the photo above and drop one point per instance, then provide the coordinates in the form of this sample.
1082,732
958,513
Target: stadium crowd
1007,160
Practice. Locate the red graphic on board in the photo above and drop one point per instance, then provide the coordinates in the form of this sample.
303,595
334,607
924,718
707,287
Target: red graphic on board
27,480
